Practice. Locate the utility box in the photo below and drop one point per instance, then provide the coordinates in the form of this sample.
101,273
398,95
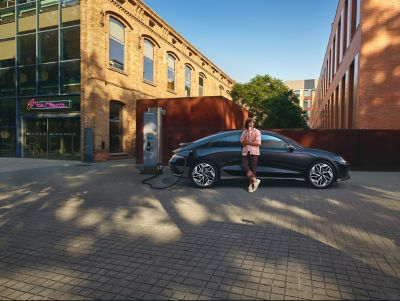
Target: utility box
152,140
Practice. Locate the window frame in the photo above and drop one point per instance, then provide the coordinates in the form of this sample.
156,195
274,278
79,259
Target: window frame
151,60
169,55
188,81
111,61
201,87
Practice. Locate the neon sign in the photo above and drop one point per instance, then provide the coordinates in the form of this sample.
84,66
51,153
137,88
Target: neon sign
48,105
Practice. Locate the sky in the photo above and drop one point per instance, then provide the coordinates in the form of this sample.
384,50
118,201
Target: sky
286,39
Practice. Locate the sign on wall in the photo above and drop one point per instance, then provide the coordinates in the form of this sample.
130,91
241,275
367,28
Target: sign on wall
33,104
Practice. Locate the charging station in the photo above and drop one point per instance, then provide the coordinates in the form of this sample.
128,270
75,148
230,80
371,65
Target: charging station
152,140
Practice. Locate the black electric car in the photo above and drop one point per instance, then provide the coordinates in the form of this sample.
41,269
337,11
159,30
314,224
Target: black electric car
209,159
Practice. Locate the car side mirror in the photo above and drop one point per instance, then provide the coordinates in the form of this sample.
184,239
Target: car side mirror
290,148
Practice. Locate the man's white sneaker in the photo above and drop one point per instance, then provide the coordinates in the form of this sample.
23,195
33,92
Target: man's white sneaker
251,188
256,183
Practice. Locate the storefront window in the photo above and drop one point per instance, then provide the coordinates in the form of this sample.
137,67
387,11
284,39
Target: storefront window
27,49
7,127
7,53
71,77
70,12
70,43
48,46
7,82
48,79
27,80
26,14
48,14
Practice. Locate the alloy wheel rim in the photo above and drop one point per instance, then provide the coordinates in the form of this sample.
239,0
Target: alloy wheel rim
321,175
203,174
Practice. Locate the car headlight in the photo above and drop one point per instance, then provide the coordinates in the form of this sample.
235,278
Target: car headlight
176,157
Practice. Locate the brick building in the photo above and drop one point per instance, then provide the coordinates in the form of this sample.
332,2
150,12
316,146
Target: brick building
305,90
71,68
359,81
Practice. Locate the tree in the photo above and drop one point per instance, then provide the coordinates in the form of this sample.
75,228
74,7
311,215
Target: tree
270,101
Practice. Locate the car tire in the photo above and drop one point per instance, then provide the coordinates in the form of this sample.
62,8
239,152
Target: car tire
321,174
204,174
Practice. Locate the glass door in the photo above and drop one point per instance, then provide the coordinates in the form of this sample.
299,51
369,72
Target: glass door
35,145
52,138
116,130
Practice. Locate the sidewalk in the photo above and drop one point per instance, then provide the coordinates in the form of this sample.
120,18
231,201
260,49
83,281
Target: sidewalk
93,231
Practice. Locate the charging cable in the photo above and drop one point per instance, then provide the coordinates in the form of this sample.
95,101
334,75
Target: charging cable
160,168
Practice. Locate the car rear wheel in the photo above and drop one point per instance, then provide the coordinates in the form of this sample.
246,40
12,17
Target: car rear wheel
321,174
204,174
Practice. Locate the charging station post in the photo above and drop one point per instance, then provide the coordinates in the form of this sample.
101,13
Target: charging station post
152,140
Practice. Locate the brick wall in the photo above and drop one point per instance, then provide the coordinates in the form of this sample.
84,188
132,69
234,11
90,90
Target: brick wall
379,98
101,84
188,119
375,103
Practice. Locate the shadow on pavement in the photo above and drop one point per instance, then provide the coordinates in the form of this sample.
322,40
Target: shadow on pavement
96,232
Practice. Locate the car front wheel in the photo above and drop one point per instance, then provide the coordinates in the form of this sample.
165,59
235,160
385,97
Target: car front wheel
204,174
321,174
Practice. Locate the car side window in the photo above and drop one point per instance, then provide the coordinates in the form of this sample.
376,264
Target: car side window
268,141
227,141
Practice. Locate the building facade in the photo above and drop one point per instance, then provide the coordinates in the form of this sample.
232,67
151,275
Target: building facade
359,81
71,72
305,90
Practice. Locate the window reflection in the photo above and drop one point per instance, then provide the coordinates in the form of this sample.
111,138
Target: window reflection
71,43
70,12
48,14
201,85
71,78
171,72
116,127
26,18
7,82
48,79
188,76
27,49
7,53
48,46
27,80
117,44
148,61
7,22
7,126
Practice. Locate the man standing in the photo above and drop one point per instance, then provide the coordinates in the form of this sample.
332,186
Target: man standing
251,141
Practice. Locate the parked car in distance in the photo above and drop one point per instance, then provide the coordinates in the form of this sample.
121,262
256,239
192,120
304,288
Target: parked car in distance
209,159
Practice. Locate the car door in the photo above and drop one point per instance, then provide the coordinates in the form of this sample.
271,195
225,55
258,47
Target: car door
276,160
226,152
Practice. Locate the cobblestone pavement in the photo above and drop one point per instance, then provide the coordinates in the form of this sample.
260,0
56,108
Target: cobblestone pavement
74,231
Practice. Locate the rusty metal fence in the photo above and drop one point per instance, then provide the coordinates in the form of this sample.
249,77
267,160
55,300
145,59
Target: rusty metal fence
375,150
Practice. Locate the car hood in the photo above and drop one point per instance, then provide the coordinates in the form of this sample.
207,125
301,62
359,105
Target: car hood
319,152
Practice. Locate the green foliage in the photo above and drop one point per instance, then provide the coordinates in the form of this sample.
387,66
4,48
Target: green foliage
272,103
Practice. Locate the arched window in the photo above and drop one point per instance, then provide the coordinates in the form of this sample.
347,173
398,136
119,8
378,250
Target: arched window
148,61
201,84
221,90
188,79
171,72
117,44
